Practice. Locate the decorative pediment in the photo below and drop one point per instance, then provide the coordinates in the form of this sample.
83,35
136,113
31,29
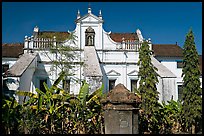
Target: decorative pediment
90,18
113,73
133,73
90,30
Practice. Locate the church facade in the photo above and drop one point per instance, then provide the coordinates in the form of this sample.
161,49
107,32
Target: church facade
102,58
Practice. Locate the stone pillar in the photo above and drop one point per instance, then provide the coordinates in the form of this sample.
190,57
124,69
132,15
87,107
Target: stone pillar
121,111
123,43
31,42
26,44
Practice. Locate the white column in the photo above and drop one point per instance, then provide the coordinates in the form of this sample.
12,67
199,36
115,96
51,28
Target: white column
26,43
123,43
150,44
31,42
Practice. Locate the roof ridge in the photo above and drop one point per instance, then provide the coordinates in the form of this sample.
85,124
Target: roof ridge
54,31
165,44
123,32
12,44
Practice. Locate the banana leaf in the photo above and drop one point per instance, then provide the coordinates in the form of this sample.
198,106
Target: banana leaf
62,74
40,92
29,94
48,91
83,93
95,95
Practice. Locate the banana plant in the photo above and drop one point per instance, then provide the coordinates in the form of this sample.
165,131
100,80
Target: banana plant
49,102
84,96
95,96
55,111
89,109
10,116
83,93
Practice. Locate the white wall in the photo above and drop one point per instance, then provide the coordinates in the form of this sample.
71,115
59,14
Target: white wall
172,66
26,79
123,76
9,61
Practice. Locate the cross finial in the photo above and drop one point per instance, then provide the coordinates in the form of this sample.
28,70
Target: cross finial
36,29
89,8
89,5
100,13
78,14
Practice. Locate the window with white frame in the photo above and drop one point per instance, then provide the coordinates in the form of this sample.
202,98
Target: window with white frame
179,64
180,92
133,84
5,67
66,85
111,84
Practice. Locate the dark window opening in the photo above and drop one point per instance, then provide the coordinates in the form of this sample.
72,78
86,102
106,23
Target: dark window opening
5,67
180,92
42,88
66,85
89,36
111,84
133,85
179,64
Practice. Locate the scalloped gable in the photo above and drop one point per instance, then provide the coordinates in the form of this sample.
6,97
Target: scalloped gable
89,18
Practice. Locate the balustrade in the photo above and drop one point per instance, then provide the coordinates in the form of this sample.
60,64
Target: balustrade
131,45
43,43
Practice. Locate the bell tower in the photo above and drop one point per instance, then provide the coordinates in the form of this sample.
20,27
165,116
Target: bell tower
90,36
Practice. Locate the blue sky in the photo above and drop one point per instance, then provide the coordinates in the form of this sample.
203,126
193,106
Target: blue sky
163,22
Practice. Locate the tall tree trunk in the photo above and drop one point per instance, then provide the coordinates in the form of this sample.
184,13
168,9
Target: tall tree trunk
102,128
25,130
193,129
8,131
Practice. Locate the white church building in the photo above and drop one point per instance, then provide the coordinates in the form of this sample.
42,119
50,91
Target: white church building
103,58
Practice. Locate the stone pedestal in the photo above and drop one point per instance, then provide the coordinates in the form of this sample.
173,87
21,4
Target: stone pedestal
121,111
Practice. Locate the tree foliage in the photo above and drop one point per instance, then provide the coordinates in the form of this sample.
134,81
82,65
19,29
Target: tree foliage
54,112
63,53
168,117
147,88
191,96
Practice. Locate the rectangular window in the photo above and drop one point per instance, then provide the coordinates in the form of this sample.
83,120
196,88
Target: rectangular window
5,67
111,84
42,88
133,85
179,64
180,92
66,85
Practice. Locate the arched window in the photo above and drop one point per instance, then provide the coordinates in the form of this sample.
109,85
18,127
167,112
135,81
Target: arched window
89,35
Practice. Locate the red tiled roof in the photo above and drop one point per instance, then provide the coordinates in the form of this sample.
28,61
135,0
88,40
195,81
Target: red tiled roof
12,50
171,50
117,37
167,50
60,36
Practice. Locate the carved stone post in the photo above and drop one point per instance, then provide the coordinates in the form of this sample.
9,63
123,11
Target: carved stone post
121,111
